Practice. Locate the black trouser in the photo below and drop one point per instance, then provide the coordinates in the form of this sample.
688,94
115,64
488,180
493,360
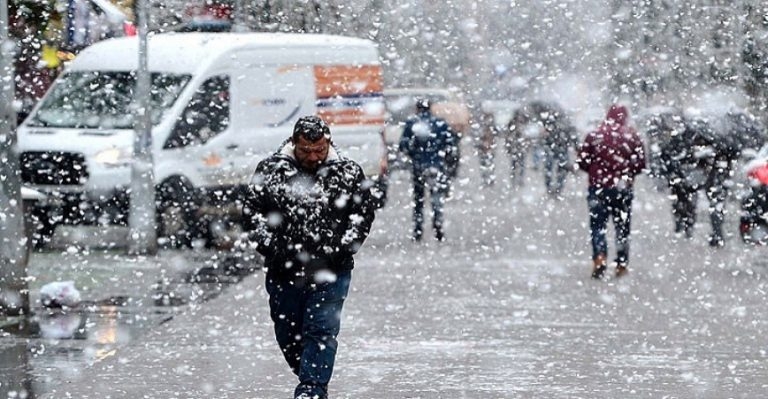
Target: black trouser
517,148
486,166
555,169
684,208
436,180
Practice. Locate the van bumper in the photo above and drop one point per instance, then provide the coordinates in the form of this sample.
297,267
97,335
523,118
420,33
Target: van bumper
103,195
101,184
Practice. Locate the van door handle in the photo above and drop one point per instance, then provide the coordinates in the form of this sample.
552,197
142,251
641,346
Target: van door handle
233,147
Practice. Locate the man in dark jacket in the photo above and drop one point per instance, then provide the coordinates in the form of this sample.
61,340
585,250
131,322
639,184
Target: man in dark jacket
426,141
308,212
612,156
692,161
703,157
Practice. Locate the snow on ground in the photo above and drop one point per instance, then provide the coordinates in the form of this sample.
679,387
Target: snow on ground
505,308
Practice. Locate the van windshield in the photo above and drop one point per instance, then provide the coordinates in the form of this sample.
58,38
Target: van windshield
104,100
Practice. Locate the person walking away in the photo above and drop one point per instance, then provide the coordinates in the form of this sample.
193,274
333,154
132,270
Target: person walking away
426,141
308,212
687,162
560,136
486,144
662,132
612,156
699,159
517,143
457,116
557,161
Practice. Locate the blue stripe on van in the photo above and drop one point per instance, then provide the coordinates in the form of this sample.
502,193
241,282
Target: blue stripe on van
349,100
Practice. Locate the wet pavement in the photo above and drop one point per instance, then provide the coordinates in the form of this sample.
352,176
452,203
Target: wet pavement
52,347
505,308
123,297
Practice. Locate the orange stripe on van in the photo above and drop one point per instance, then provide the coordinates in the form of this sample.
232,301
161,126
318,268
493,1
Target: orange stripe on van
341,80
288,68
349,117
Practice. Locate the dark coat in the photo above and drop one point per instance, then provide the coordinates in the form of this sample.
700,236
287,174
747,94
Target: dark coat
697,158
613,154
303,222
427,140
560,134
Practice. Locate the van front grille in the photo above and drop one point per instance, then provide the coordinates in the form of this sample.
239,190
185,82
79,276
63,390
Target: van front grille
53,168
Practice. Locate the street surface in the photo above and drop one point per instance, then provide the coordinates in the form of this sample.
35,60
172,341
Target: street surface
504,308
122,298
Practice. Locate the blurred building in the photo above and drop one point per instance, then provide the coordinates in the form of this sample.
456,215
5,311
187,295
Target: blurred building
89,21
49,33
663,48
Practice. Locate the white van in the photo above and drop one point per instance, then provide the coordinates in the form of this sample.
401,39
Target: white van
220,103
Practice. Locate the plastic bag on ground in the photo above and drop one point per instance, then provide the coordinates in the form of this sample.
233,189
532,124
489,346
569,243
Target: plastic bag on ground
60,294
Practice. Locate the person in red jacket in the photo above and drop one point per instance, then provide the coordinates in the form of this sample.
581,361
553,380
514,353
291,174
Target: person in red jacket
612,155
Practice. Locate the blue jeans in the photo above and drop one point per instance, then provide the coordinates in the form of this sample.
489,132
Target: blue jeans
307,320
614,203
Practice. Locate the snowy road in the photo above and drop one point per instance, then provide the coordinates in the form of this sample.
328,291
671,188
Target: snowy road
505,308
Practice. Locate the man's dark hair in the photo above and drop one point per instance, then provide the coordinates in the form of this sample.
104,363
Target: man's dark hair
310,128
423,104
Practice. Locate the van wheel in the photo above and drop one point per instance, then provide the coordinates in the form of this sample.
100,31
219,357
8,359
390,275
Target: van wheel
178,206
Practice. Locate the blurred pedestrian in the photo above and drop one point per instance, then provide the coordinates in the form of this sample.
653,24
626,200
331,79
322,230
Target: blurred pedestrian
427,141
308,212
702,157
612,155
559,138
661,130
688,161
520,138
486,145
458,118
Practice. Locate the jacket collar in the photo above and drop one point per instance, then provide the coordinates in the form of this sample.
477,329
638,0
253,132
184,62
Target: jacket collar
287,151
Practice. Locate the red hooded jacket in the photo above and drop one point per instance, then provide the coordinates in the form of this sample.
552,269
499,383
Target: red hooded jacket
613,154
760,174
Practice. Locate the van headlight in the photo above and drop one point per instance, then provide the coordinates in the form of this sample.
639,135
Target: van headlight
114,157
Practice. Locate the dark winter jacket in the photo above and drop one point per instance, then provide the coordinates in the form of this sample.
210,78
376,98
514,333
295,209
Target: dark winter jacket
303,222
427,140
697,157
742,131
560,133
613,154
560,137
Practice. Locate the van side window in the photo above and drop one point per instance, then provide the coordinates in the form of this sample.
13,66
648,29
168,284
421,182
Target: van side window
206,115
